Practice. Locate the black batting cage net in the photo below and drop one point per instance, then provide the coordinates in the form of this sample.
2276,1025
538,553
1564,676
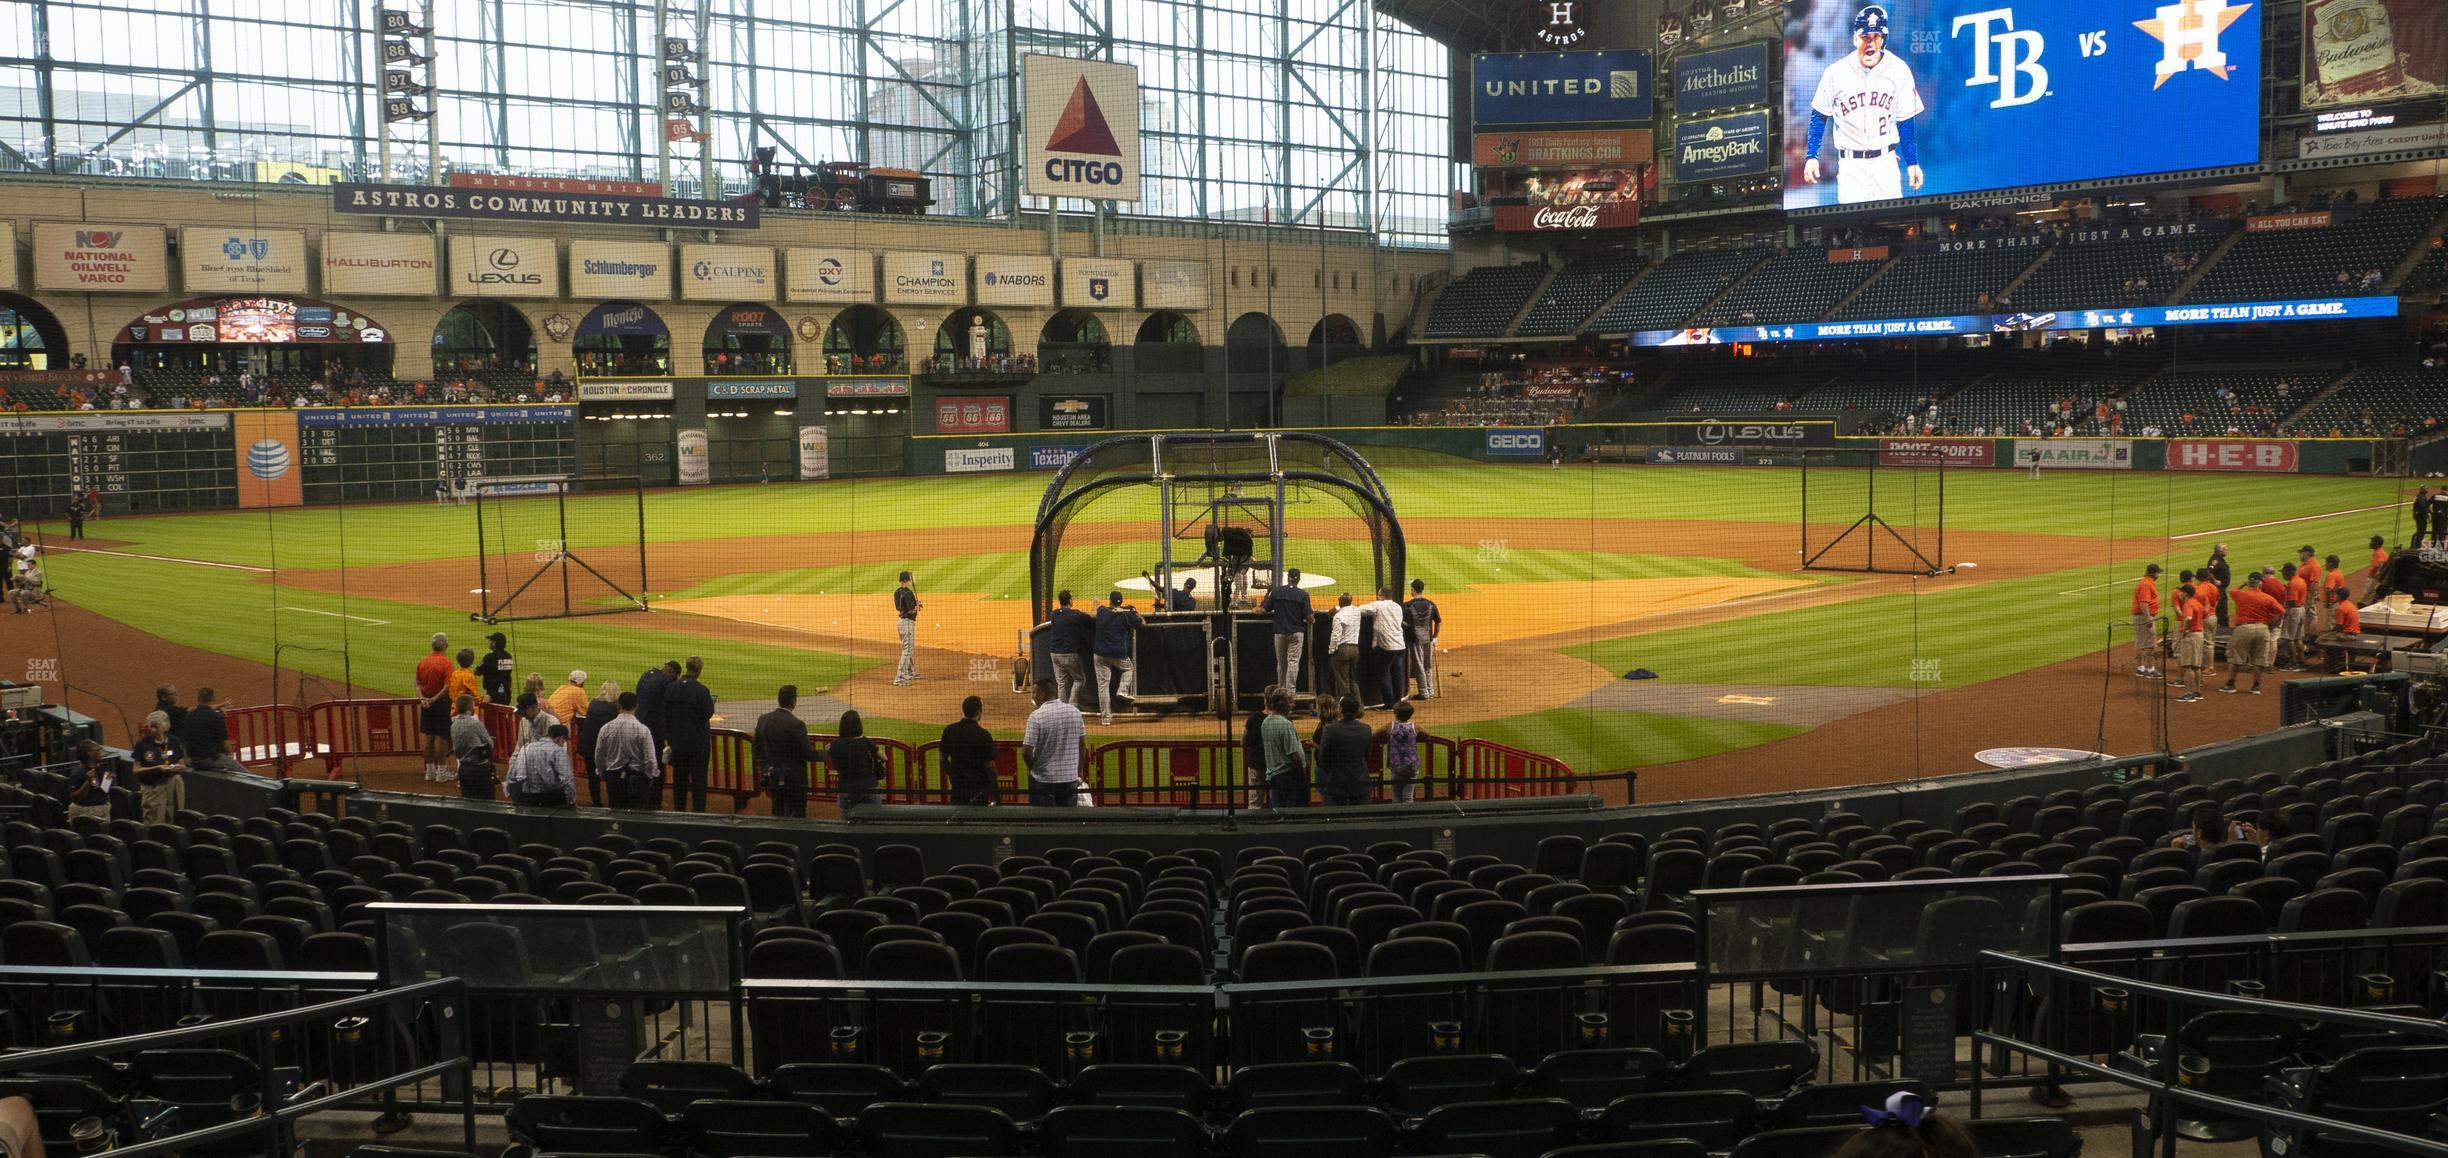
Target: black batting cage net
1151,515
557,548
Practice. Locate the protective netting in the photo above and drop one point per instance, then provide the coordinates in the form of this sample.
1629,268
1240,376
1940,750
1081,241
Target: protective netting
1862,514
549,549
1229,511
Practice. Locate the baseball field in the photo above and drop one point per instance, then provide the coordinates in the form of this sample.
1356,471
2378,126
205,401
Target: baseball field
1553,584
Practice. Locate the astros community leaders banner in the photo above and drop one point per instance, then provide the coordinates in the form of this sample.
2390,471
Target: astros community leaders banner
1995,95
1591,90
378,200
1079,135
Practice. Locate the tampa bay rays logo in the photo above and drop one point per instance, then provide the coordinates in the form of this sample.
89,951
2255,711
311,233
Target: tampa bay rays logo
2188,32
2004,57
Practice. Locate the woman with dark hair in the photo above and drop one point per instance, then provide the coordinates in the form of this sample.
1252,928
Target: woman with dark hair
90,794
857,766
2210,828
1906,1127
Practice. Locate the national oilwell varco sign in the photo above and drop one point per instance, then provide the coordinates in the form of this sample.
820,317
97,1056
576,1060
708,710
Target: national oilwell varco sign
1080,128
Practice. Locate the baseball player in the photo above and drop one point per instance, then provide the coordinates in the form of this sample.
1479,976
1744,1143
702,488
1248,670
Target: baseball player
1871,97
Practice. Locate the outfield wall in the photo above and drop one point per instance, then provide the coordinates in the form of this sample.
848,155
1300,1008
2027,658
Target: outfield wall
686,430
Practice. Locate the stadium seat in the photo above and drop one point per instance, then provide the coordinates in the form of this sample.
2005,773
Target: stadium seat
1518,1128
927,1130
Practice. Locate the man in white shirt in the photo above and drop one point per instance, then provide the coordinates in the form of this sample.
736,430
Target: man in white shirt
540,773
1388,655
1052,745
1343,646
625,759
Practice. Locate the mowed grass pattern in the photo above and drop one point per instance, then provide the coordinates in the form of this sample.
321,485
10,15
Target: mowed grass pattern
1974,632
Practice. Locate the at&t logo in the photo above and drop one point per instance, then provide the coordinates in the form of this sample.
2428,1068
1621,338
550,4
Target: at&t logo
2004,57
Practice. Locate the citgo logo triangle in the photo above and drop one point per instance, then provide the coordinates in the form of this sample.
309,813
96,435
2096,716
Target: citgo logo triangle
1082,127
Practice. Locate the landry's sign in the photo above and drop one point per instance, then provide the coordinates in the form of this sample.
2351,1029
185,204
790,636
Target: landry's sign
1567,218
384,200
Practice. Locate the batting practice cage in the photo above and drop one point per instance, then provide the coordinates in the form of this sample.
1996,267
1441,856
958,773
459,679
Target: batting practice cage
1198,527
551,548
1879,511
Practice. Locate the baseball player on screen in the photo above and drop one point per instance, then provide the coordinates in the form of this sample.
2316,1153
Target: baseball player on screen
1871,97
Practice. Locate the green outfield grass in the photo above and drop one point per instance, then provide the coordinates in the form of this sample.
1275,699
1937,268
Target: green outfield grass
372,637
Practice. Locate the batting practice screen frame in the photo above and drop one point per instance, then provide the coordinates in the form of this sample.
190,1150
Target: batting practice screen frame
1859,514
560,548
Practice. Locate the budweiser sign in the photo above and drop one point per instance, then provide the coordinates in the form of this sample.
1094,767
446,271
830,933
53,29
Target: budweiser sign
1551,218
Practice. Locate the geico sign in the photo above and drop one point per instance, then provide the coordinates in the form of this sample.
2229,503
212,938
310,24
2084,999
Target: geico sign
1516,441
2230,454
1072,169
1713,433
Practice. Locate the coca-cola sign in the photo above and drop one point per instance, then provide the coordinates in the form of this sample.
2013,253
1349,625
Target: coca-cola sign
1557,218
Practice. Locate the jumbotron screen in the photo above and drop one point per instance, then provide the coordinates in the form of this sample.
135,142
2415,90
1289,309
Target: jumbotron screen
1887,99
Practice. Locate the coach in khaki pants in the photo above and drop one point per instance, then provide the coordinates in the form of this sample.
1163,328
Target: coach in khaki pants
1289,605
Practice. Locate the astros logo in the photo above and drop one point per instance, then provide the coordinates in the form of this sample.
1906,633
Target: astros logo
2189,30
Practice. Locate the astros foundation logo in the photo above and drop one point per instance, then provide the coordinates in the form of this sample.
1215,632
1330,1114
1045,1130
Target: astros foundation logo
2189,32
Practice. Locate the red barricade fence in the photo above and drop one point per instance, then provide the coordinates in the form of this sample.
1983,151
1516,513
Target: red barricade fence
1197,773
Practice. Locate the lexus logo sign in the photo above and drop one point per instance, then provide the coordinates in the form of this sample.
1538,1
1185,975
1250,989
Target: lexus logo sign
1714,433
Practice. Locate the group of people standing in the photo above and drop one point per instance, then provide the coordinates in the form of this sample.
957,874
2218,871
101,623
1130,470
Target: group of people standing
2275,617
1376,650
176,739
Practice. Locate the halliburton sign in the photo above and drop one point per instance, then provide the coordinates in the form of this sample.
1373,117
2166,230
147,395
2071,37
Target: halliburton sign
1937,451
2242,454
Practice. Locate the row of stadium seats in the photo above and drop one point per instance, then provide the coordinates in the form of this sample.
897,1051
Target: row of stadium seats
2298,263
2375,399
2217,399
1483,302
1806,285
1578,290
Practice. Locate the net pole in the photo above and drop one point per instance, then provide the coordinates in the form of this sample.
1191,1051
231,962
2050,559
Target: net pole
561,511
1872,561
484,570
638,487
1805,551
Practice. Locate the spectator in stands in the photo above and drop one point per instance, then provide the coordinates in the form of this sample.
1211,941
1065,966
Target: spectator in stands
1286,765
462,680
1402,740
569,701
1906,1127
472,746
161,765
784,752
1052,745
688,727
533,720
165,701
625,758
89,797
206,735
969,757
540,771
652,685
603,710
1342,756
2210,828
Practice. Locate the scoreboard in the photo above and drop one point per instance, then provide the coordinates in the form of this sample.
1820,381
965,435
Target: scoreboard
137,460
383,453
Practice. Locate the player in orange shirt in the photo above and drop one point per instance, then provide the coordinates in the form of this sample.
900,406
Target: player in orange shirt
2146,622
2291,635
2371,575
2250,644
2349,620
2316,605
2192,642
433,712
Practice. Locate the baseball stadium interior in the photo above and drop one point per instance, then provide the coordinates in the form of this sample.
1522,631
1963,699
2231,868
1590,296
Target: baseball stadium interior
1226,578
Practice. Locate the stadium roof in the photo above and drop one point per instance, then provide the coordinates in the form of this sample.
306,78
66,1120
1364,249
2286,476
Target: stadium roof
1463,25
